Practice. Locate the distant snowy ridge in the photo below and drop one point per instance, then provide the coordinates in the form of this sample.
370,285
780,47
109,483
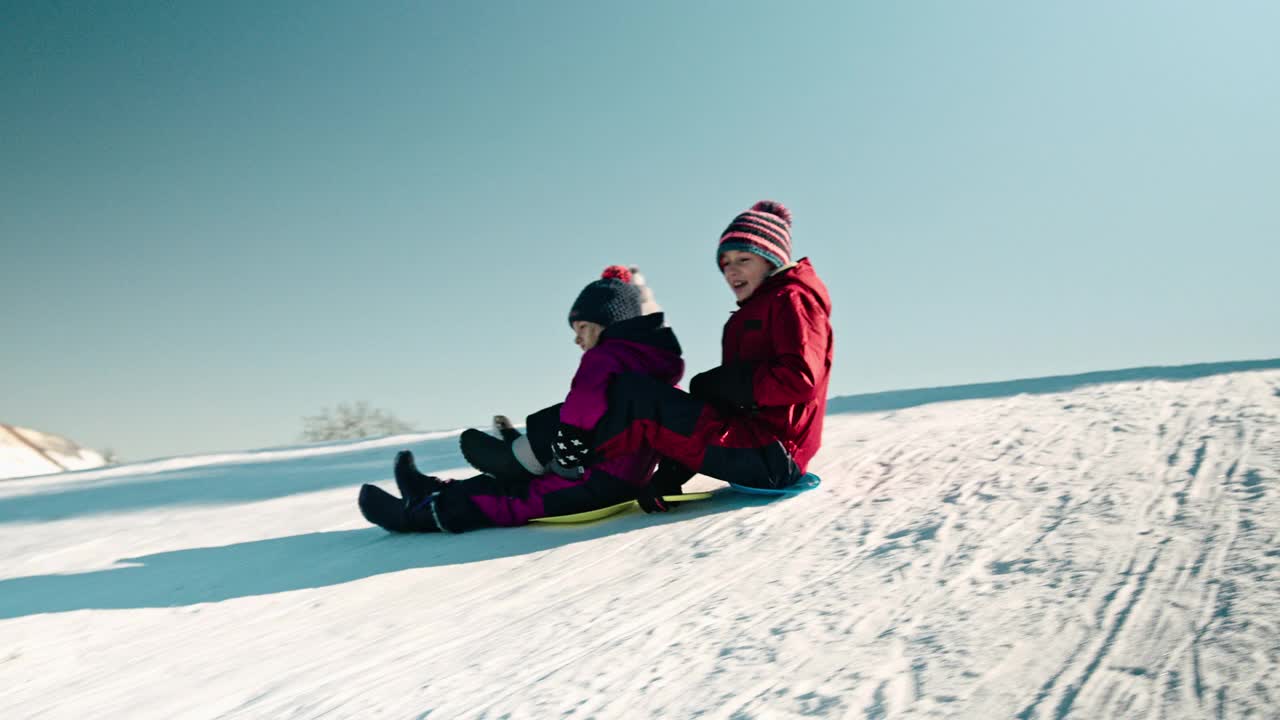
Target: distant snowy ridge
264,455
901,399
24,451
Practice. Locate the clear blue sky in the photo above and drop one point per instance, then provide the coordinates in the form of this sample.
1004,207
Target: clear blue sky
217,218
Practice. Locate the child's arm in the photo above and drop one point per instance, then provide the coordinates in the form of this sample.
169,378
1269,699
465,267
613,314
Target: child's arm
587,400
583,407
800,335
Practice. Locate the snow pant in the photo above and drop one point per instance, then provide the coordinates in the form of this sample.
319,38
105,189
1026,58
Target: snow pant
644,412
485,501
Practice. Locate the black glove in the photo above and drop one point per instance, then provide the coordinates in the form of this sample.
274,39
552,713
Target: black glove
667,480
650,500
572,447
727,386
503,425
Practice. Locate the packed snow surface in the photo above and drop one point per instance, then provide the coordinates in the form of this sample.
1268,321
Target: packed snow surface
1111,551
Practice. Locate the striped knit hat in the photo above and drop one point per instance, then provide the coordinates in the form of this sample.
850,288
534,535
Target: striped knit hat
765,230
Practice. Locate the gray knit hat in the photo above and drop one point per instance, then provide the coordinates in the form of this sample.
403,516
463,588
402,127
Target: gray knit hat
612,298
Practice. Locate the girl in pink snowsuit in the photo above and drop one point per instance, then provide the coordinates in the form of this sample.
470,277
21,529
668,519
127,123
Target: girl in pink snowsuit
616,339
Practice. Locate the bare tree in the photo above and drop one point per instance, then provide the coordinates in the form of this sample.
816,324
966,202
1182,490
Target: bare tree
351,421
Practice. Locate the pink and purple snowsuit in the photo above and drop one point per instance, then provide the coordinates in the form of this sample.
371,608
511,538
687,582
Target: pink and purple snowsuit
640,345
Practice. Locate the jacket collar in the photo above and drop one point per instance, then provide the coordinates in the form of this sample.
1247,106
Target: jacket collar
781,276
798,274
648,329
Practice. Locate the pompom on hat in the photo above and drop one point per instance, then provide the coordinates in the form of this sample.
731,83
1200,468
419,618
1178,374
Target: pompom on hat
648,302
765,230
613,298
616,272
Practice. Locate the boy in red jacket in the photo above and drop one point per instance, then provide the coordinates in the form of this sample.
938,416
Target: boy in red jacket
754,420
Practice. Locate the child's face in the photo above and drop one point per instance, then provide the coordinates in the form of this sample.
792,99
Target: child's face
587,334
744,272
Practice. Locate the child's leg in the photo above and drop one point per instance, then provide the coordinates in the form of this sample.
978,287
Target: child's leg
594,490
645,412
414,485
486,501
509,457
540,429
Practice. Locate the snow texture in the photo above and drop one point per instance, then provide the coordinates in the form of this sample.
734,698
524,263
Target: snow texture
1105,551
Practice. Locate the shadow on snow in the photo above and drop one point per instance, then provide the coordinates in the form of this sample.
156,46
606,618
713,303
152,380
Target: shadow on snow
263,567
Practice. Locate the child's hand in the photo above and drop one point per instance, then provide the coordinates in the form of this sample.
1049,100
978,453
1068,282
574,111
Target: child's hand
727,385
668,479
572,447
650,500
502,424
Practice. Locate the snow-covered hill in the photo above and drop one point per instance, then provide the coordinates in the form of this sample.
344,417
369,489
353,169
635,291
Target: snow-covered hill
1107,551
24,452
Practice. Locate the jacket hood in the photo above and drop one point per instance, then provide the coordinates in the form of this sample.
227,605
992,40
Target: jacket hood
645,330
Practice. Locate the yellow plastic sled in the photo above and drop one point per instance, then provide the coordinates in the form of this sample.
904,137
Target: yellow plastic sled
605,512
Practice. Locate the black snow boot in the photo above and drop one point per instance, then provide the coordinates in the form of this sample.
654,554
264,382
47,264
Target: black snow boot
491,455
414,486
395,515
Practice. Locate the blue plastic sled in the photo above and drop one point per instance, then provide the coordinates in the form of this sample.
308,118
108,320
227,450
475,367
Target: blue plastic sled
807,482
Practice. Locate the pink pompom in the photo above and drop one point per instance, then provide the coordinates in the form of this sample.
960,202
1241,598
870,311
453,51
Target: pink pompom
774,208
616,272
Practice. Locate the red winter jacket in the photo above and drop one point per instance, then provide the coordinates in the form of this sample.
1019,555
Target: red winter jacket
784,333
